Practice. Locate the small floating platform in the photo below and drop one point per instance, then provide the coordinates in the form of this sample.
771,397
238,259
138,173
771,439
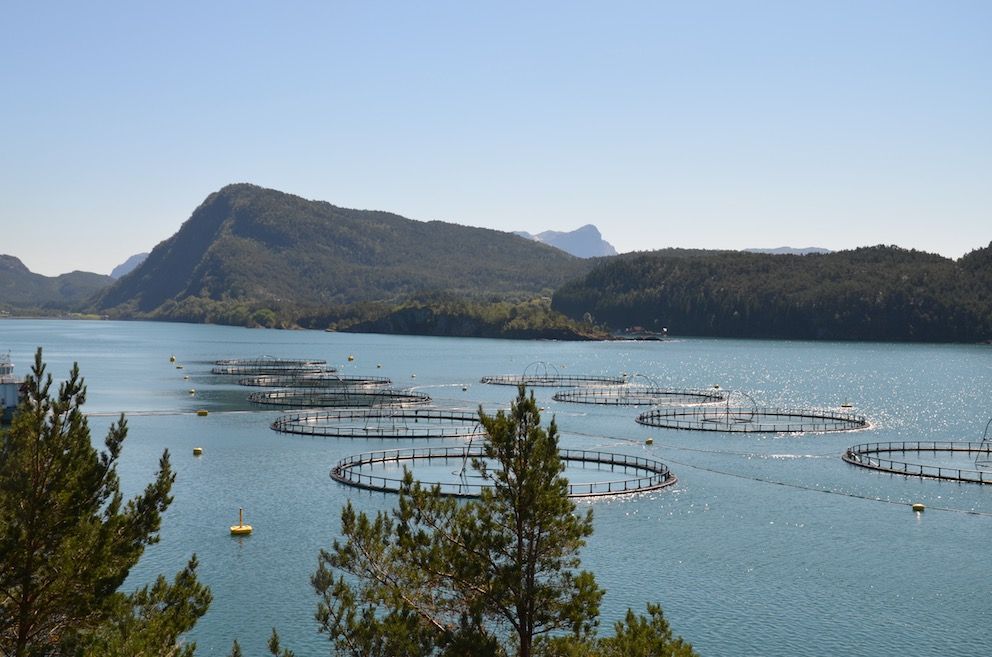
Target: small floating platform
241,529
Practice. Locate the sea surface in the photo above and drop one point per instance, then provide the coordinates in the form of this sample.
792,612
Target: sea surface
769,544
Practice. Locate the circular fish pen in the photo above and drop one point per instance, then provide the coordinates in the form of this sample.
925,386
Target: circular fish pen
343,398
268,365
324,379
417,423
870,455
647,474
546,375
751,419
639,395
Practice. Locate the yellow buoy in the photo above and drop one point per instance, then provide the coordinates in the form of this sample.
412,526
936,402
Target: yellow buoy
350,358
240,529
197,451
172,358
649,441
919,508
202,412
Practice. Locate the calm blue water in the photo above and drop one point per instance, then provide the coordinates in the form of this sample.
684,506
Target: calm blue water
768,545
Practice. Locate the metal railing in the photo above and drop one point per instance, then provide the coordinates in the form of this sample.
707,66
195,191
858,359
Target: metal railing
752,420
380,423
866,456
639,396
657,474
329,398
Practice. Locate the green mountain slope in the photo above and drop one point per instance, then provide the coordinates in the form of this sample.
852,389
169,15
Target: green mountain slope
873,293
23,290
246,243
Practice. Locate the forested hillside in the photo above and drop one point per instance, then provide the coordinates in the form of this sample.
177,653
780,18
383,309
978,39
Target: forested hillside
872,293
247,249
24,291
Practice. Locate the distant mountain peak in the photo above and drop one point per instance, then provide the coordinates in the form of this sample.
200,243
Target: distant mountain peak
12,264
248,244
584,242
128,265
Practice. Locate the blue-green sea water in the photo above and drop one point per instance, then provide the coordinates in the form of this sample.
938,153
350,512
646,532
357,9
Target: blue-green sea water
768,545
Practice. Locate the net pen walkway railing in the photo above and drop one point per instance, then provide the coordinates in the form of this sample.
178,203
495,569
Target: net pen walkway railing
650,474
868,455
415,423
752,420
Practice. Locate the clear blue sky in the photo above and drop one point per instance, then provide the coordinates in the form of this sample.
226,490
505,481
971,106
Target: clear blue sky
691,124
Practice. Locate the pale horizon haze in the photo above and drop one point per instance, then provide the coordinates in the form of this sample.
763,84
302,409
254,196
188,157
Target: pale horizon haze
724,125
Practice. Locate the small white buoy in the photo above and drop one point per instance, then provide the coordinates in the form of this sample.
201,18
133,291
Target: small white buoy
413,376
919,508
185,377
716,386
197,451
350,358
172,358
378,366
464,388
192,391
179,367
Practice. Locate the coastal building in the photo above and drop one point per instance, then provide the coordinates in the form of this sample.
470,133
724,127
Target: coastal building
10,388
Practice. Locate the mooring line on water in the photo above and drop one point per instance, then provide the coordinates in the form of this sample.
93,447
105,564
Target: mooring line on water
762,480
701,450
165,413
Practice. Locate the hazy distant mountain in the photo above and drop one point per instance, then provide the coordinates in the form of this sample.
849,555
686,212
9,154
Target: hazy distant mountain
584,242
247,244
21,289
788,250
128,265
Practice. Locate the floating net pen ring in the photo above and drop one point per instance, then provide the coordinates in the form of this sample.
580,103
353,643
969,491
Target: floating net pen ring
268,365
422,423
649,474
751,420
636,395
869,455
324,379
541,374
324,398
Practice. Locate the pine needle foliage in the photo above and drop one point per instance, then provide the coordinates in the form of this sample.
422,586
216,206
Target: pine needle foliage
68,538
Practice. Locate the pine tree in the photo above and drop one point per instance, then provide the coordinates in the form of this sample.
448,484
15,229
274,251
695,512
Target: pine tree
442,577
68,539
